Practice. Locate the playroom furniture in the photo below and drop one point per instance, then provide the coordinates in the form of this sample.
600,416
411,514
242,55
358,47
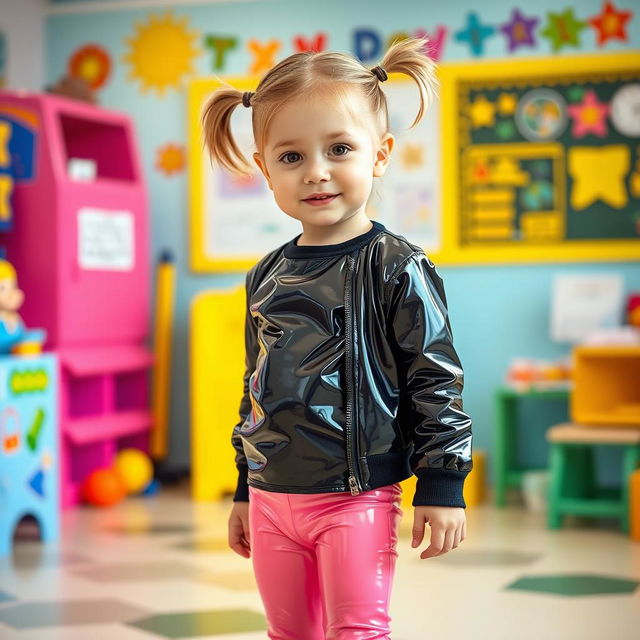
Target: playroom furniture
506,469
216,333
634,506
606,385
81,248
29,451
573,483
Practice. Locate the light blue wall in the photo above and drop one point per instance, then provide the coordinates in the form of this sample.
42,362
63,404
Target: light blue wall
497,312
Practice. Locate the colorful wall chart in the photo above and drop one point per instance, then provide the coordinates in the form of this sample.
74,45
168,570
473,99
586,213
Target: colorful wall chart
542,160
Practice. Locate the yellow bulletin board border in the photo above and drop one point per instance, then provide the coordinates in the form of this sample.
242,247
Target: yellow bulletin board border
198,91
534,69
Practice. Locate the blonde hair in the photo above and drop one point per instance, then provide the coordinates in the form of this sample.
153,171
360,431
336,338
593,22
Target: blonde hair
7,271
301,74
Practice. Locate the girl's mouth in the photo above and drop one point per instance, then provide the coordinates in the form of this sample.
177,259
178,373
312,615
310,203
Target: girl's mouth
318,202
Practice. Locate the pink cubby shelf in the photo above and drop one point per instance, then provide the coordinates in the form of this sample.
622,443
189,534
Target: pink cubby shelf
80,247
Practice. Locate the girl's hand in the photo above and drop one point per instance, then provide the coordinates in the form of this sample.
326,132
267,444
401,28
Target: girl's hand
448,528
239,537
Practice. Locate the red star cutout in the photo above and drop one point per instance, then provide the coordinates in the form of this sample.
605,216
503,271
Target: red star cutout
590,116
610,23
481,171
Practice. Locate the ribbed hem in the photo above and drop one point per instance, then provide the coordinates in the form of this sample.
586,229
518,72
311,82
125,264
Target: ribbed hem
242,488
388,468
439,487
292,250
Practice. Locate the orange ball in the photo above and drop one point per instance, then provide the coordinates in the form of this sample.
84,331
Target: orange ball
103,487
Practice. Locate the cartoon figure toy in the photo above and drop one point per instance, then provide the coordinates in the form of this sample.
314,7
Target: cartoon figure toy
14,337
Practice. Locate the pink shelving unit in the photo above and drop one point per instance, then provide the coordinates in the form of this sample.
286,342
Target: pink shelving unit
81,250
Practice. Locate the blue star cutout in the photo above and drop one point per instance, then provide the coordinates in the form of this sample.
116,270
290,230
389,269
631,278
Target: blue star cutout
475,34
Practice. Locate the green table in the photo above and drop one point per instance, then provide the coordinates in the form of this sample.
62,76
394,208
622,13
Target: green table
507,472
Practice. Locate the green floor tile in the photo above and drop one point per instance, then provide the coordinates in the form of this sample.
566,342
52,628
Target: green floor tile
69,612
202,623
579,584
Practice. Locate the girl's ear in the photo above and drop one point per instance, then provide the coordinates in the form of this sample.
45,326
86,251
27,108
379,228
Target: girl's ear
383,155
263,167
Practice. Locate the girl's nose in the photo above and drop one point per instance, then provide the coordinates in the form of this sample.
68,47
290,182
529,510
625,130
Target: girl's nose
317,169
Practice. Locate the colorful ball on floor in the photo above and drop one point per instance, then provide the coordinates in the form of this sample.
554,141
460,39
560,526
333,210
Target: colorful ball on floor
103,487
152,488
136,469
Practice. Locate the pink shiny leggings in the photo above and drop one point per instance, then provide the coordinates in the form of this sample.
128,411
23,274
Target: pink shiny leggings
324,562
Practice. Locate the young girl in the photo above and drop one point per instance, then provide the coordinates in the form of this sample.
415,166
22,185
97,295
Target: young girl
352,382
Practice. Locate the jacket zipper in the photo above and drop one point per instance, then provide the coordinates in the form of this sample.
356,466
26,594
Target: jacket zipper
354,481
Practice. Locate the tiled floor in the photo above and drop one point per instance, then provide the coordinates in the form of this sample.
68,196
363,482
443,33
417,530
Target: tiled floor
159,567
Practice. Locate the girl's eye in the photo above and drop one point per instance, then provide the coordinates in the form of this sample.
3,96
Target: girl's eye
294,153
286,155
344,146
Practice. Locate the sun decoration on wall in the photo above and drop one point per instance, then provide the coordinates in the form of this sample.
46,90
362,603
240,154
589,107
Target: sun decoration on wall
90,63
170,158
161,53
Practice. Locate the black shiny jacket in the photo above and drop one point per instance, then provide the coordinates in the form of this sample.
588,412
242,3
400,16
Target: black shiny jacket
352,381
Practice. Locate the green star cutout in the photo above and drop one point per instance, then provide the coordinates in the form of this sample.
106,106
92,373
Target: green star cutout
505,129
563,29
575,94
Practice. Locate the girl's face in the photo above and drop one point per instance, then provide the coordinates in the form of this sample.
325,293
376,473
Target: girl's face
316,146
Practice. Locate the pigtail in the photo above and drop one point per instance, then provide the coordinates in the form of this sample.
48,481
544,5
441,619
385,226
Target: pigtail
216,131
409,56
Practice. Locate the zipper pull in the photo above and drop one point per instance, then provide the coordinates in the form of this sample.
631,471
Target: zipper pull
354,486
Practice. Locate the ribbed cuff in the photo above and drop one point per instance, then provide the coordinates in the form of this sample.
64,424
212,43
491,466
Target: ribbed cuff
242,488
439,487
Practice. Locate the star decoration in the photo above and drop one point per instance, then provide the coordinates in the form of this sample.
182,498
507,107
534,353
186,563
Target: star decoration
412,156
575,93
563,29
482,112
519,30
589,116
480,171
505,130
610,23
475,34
507,103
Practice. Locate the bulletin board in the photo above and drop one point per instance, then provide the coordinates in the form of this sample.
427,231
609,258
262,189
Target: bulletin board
541,160
234,221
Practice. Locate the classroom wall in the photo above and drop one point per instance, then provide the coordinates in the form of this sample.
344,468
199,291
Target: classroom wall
497,312
22,24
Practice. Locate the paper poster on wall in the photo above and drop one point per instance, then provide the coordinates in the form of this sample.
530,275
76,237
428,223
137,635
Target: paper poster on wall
235,220
105,240
582,304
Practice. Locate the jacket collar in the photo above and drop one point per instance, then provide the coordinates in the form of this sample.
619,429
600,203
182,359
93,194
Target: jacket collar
292,250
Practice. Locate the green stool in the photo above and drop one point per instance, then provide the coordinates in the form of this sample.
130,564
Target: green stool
573,488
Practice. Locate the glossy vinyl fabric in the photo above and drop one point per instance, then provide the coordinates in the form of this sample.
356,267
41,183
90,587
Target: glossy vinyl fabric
324,563
352,381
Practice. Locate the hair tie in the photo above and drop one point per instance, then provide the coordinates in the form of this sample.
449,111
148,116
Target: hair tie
380,72
246,97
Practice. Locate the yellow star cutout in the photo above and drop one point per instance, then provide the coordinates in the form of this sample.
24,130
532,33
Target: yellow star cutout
412,156
599,172
507,103
482,112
